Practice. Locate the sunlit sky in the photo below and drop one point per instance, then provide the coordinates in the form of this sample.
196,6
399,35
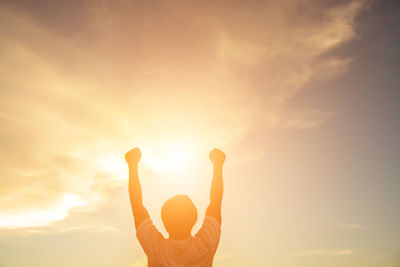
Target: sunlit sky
303,96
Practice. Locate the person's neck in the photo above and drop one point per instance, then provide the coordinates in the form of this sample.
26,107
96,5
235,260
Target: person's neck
179,236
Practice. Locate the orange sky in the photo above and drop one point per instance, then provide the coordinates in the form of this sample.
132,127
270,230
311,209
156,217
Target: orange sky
84,81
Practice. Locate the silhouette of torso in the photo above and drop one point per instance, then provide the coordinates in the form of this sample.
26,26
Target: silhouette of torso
197,251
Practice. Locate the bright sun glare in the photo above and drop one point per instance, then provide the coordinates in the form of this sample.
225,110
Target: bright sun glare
171,159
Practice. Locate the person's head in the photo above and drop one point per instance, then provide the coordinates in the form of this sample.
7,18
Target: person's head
179,214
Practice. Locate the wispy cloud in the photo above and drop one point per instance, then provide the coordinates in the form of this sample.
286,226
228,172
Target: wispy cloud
222,256
355,226
72,99
142,262
326,252
22,218
344,252
54,229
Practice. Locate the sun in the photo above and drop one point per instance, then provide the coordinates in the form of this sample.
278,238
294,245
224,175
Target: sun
177,159
171,159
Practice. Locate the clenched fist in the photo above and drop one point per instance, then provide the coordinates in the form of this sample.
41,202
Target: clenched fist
217,157
133,156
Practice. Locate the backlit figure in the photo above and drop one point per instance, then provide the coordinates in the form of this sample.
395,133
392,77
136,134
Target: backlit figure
178,214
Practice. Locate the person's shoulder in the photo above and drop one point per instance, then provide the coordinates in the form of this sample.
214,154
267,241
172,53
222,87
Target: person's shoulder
210,225
209,234
144,225
211,220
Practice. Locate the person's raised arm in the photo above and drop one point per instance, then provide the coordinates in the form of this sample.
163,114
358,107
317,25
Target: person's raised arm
140,213
217,158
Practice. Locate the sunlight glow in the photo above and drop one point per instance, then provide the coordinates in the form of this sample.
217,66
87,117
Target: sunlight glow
12,219
174,159
162,156
114,165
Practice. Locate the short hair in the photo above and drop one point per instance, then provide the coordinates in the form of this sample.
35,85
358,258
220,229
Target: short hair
179,214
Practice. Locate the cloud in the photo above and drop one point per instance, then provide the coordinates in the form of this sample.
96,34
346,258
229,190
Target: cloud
222,256
142,262
40,217
303,119
77,91
354,226
344,252
95,228
326,252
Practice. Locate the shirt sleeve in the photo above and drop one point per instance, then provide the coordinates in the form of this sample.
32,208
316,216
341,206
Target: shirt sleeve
149,237
209,233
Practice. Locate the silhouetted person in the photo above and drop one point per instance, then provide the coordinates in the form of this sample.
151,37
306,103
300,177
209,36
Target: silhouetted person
178,214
